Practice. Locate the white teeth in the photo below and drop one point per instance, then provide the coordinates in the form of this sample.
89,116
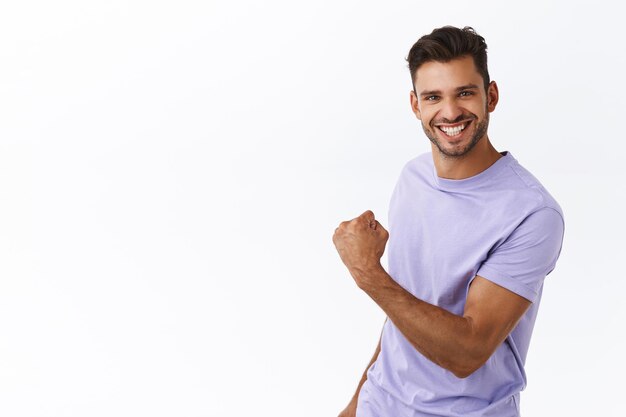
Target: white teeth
453,131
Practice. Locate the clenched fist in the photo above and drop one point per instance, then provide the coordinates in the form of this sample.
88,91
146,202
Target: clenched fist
361,243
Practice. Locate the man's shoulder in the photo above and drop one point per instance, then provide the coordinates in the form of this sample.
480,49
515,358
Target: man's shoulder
422,162
527,188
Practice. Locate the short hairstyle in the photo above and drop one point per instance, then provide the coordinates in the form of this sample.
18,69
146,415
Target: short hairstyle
447,43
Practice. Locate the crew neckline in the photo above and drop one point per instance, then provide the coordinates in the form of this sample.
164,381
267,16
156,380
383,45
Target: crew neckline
485,175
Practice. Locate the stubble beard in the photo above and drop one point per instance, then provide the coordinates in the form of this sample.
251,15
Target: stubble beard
480,131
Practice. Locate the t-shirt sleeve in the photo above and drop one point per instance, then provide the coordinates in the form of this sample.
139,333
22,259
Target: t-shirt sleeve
523,260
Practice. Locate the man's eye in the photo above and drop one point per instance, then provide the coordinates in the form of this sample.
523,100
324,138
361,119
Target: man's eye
466,93
431,98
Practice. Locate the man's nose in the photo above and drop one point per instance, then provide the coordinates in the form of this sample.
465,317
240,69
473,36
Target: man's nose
450,111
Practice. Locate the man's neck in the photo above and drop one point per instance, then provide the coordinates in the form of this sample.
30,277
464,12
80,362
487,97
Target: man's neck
481,157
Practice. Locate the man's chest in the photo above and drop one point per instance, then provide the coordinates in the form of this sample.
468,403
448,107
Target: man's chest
438,241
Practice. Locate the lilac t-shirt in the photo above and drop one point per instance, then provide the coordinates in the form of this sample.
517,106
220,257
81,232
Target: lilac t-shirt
500,224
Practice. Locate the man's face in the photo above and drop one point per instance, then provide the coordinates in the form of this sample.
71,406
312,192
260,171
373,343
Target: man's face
452,104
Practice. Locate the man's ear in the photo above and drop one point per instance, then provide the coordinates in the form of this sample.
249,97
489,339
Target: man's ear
415,105
492,96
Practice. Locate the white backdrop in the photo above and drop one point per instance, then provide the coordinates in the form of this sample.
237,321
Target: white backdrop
171,174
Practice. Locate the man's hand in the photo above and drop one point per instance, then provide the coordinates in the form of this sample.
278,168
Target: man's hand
361,243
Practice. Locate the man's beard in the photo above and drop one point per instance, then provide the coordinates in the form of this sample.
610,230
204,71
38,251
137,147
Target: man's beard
480,131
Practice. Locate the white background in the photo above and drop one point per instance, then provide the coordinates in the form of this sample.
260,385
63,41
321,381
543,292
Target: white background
171,174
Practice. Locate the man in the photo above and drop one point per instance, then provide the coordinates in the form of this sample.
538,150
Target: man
472,235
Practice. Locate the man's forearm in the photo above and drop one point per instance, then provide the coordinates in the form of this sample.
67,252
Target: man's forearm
443,337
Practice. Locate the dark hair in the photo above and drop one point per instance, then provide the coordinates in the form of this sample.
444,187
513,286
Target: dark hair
447,43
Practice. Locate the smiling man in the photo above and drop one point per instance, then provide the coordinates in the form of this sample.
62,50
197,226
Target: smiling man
472,235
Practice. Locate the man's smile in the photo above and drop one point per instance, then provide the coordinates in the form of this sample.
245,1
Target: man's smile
453,130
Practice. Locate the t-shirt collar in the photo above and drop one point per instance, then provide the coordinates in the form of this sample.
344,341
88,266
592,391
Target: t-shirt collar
478,179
